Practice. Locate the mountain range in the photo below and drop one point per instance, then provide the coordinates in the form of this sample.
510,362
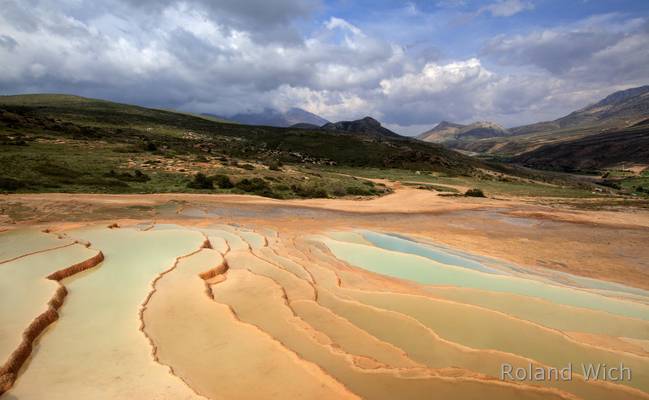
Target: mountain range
302,119
613,113
619,148
282,119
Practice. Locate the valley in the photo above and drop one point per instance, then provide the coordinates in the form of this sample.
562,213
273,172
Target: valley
137,245
324,199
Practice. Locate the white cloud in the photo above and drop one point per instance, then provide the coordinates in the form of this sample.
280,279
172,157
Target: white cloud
334,23
189,56
435,78
507,8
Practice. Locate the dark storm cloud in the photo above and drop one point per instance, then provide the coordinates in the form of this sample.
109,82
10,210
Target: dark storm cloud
600,48
265,20
556,52
261,12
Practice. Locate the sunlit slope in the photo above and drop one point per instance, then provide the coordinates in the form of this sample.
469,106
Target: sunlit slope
98,120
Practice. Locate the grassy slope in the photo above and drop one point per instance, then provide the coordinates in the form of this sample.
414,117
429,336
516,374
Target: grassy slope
348,149
630,145
496,184
71,144
514,145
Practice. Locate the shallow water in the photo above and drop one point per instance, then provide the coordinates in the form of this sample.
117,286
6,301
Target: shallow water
219,356
25,290
96,348
302,317
437,254
427,271
19,242
449,256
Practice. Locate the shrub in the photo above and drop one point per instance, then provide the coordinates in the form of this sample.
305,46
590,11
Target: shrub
201,182
10,184
138,176
475,192
222,181
252,185
257,186
275,165
358,191
610,184
309,191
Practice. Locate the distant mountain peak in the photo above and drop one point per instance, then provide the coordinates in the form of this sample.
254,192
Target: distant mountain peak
623,95
273,117
371,121
367,125
447,131
447,124
617,110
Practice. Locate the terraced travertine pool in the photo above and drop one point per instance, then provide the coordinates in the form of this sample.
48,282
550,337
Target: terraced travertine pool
219,311
393,256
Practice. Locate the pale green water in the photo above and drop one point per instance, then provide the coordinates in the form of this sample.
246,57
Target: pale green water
19,242
235,242
459,258
450,256
443,256
96,348
255,240
25,290
427,271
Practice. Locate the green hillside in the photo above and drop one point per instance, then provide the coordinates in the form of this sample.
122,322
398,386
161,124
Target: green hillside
69,143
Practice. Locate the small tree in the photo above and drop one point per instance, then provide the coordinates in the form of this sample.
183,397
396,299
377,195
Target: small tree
201,182
475,192
222,181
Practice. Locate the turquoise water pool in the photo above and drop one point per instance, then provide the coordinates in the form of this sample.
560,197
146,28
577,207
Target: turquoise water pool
400,258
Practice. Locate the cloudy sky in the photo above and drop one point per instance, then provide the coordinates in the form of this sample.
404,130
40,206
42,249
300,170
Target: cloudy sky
409,64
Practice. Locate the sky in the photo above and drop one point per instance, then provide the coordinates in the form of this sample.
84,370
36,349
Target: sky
409,64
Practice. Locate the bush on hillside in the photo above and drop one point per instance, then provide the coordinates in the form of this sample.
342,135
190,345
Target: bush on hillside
201,182
10,184
359,191
222,181
309,191
253,185
474,193
138,176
